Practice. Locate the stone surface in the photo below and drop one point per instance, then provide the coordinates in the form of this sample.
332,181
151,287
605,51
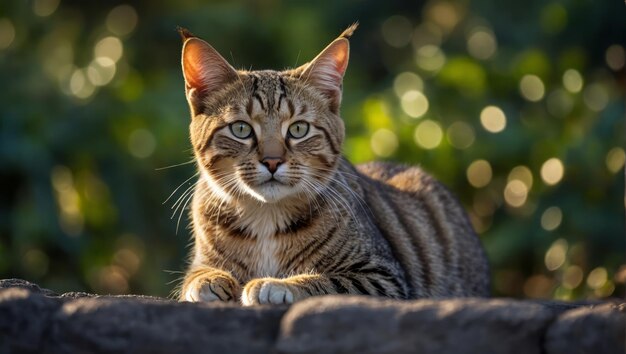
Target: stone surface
148,326
369,325
36,320
24,320
598,329
32,322
23,284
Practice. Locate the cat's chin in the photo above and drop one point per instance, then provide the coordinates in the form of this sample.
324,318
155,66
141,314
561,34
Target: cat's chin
271,191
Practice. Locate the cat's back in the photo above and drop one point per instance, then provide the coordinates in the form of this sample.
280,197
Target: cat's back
427,229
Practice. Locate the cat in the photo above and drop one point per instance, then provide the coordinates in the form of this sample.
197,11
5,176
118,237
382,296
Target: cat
279,215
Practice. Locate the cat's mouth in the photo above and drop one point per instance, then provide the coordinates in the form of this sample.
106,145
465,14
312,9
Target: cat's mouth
272,190
271,181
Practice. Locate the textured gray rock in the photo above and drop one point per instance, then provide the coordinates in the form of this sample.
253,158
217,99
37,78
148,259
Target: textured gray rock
598,329
23,284
148,326
368,325
35,323
36,320
24,319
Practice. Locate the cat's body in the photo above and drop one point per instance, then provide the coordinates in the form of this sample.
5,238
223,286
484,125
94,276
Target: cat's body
279,215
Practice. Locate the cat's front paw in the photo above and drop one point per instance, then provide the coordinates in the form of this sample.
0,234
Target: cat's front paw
268,291
210,285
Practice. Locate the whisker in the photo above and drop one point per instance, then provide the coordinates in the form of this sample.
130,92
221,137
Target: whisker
343,184
177,188
182,211
337,196
311,196
172,166
319,189
183,195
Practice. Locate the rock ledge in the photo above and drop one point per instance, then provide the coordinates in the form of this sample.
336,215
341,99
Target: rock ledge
35,320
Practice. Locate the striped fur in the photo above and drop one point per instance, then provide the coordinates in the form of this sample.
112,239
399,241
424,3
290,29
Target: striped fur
322,226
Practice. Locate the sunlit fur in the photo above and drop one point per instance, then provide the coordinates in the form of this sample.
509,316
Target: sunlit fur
321,226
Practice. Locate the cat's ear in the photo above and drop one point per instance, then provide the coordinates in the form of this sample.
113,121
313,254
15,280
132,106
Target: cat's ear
326,71
204,69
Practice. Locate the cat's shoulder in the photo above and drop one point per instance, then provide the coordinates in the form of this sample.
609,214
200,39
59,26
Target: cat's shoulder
401,176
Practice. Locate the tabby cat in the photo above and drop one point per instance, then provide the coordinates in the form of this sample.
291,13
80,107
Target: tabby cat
279,215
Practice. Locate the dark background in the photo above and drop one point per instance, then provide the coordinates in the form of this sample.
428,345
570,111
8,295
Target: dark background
92,108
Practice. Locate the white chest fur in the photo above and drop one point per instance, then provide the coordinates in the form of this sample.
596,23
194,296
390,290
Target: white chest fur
263,223
266,262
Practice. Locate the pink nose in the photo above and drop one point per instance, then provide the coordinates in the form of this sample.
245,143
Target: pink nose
272,163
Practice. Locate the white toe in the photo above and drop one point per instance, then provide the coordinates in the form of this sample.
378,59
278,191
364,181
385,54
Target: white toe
264,293
191,295
277,294
288,297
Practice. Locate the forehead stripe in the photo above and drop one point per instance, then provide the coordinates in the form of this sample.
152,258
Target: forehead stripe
292,109
255,94
283,93
258,97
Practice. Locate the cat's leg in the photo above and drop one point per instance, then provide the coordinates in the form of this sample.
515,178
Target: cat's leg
289,290
207,284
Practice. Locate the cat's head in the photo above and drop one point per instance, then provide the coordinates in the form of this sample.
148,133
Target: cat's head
268,135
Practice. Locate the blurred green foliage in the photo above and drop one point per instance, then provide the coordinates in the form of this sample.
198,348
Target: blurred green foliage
518,106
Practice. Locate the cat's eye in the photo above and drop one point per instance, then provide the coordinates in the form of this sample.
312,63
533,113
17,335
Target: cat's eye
298,129
241,129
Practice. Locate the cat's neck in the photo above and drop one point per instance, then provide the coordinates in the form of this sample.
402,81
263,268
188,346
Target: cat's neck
256,218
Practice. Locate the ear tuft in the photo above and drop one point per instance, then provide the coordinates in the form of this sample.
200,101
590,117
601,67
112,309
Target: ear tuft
184,33
326,71
350,30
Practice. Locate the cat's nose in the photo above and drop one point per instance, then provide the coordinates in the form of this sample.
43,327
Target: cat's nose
272,163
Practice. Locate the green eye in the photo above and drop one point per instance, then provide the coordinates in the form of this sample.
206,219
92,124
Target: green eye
241,129
298,129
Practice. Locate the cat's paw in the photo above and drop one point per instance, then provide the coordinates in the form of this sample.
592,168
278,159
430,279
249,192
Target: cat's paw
210,286
268,291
